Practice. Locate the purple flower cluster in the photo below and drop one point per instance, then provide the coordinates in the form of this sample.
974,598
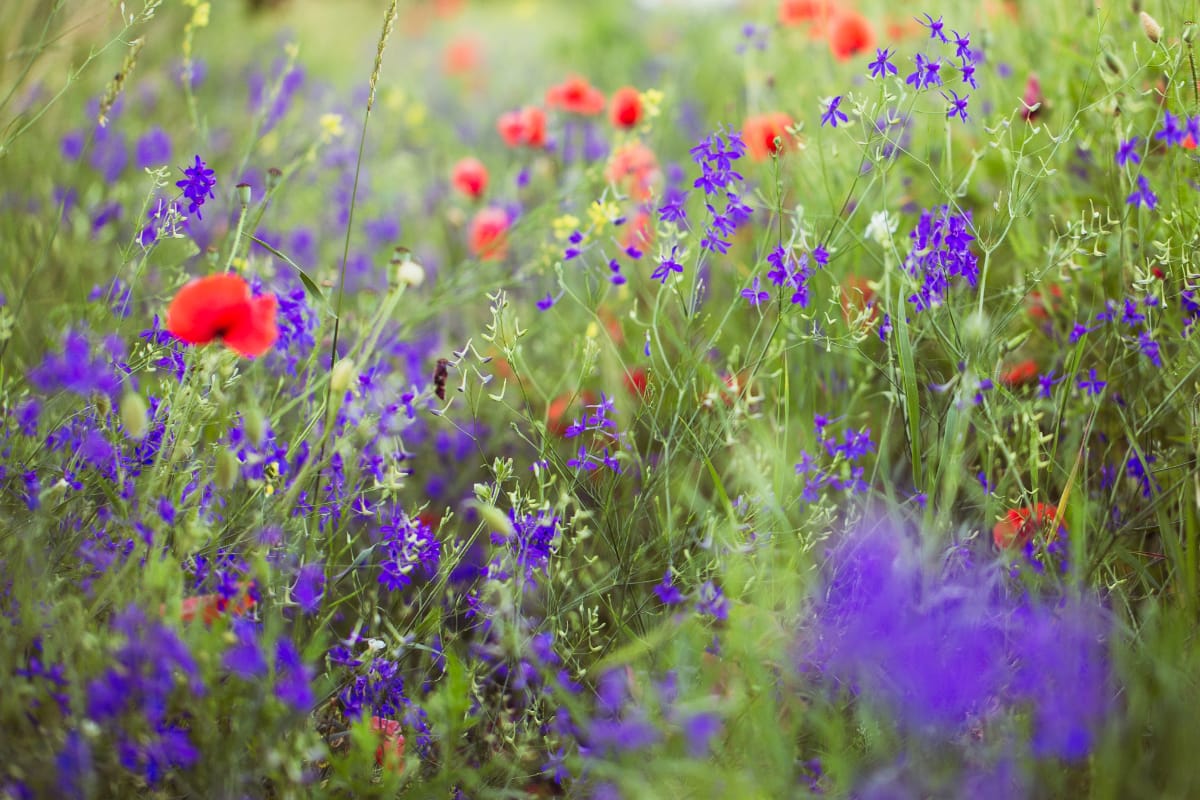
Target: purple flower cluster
792,273
839,468
410,547
927,71
715,155
197,185
133,698
946,649
603,429
940,250
80,368
533,540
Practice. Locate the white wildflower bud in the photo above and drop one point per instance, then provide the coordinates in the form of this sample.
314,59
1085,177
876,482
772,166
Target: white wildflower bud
881,227
410,273
1150,25
134,416
343,376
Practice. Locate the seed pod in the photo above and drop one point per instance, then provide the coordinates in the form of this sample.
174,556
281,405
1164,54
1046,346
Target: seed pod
410,273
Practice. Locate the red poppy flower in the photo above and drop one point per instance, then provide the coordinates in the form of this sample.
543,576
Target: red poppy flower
636,382
208,607
634,169
461,56
625,109
576,95
760,132
1020,374
393,739
1037,305
849,35
1033,99
799,12
524,127
470,177
488,237
638,232
1020,524
858,297
557,420
221,307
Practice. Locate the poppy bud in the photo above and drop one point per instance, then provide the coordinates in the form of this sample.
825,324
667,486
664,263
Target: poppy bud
227,469
1189,32
1150,25
274,176
343,375
254,424
243,190
495,519
103,404
133,416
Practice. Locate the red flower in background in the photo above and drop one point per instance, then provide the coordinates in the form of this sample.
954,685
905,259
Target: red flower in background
393,739
210,606
1020,525
634,169
221,307
557,420
576,95
849,34
462,56
858,297
470,177
1020,374
487,237
625,109
524,127
636,382
1034,102
760,132
1037,303
799,12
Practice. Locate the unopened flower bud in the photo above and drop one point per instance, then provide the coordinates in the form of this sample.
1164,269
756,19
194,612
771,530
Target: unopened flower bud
243,190
227,470
213,255
273,178
976,329
103,404
410,273
134,416
1150,25
1189,32
343,375
254,424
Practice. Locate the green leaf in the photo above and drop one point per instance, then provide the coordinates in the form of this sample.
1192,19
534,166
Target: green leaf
171,253
309,284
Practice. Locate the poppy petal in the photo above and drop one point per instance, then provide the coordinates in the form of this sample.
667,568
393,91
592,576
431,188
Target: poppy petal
256,331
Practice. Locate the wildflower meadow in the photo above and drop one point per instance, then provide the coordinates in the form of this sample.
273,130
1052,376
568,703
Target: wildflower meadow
499,399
